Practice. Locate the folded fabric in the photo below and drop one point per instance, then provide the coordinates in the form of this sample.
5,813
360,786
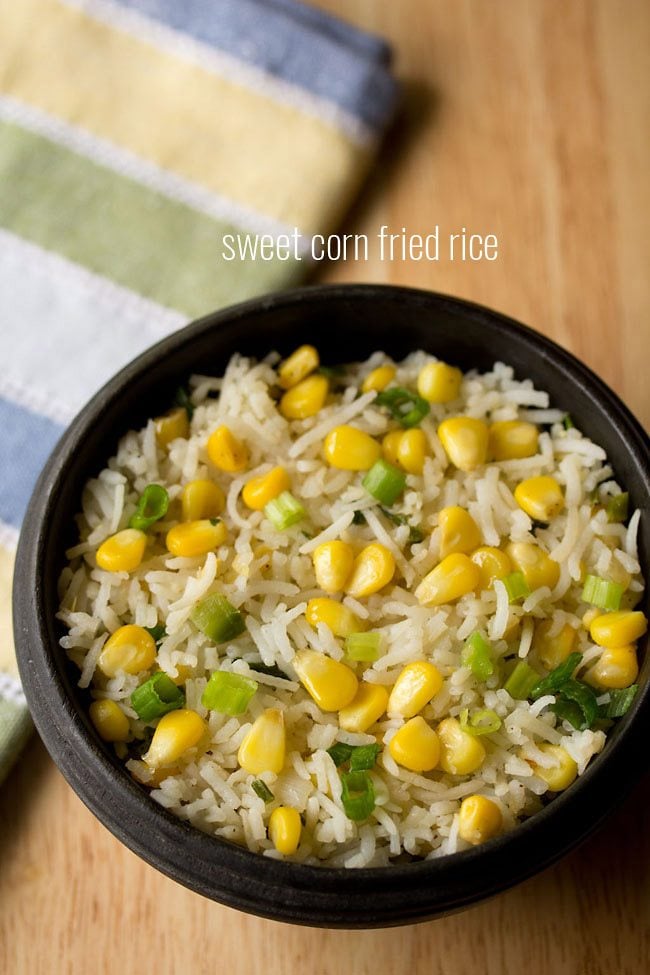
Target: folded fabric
135,136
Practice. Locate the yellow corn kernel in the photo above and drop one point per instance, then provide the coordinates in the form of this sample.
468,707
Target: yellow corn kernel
285,828
553,650
465,441
615,668
331,684
415,746
263,748
492,564
192,538
439,383
512,440
373,568
305,399
171,426
378,379
298,366
452,578
411,451
538,568
110,720
540,497
562,774
341,620
458,531
417,683
123,551
350,449
618,629
227,452
390,446
479,819
460,753
332,564
201,499
260,490
175,734
130,649
366,707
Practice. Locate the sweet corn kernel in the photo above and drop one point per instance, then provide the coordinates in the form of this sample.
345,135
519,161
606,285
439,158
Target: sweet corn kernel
350,449
411,451
305,399
460,753
175,734
562,774
616,667
201,499
439,383
285,828
260,490
366,707
123,551
341,620
263,747
479,819
331,684
390,446
172,426
512,440
553,650
538,568
492,564
378,379
373,568
110,720
130,649
458,531
417,683
332,564
192,538
540,497
227,452
465,441
618,629
452,578
298,366
415,746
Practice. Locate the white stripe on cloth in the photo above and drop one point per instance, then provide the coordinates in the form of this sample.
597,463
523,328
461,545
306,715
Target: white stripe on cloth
10,690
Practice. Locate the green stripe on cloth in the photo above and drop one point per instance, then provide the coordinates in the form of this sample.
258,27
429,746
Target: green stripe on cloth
15,728
120,228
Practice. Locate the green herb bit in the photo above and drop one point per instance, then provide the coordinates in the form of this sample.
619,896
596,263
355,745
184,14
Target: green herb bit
521,681
602,593
157,696
262,790
620,701
364,757
406,407
359,518
567,422
284,511
228,693
516,586
477,655
363,646
415,534
332,372
384,482
217,618
484,722
568,711
617,507
152,505
575,693
272,670
340,753
182,399
357,795
557,677
158,632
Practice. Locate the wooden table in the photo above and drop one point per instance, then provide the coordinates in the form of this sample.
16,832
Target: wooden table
528,119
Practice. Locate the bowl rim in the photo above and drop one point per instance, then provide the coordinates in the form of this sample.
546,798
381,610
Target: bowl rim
318,896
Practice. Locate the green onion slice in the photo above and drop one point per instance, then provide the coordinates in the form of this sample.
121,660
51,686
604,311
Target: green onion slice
228,693
516,586
152,505
340,753
364,757
157,696
602,593
406,407
158,632
575,693
218,618
262,790
617,507
182,399
363,646
619,703
557,677
357,795
477,655
384,482
284,511
484,722
521,681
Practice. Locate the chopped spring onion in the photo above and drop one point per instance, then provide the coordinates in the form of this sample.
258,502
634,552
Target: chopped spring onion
340,753
357,795
415,534
602,593
157,696
567,422
158,632
384,481
480,722
182,399
218,618
262,790
364,757
568,711
619,702
152,506
582,698
557,677
477,655
363,646
406,407
228,693
617,507
521,681
516,586
284,511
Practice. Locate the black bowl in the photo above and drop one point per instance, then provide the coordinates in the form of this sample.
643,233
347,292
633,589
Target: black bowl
346,323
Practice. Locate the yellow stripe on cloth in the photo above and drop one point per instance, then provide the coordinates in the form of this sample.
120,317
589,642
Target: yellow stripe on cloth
7,655
179,115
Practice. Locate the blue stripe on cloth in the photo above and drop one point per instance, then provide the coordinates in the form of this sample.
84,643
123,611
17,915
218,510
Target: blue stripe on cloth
26,441
320,54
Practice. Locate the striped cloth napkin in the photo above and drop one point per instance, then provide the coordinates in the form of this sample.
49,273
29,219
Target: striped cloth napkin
135,135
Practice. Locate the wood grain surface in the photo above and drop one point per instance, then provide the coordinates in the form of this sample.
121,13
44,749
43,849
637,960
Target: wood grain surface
529,119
